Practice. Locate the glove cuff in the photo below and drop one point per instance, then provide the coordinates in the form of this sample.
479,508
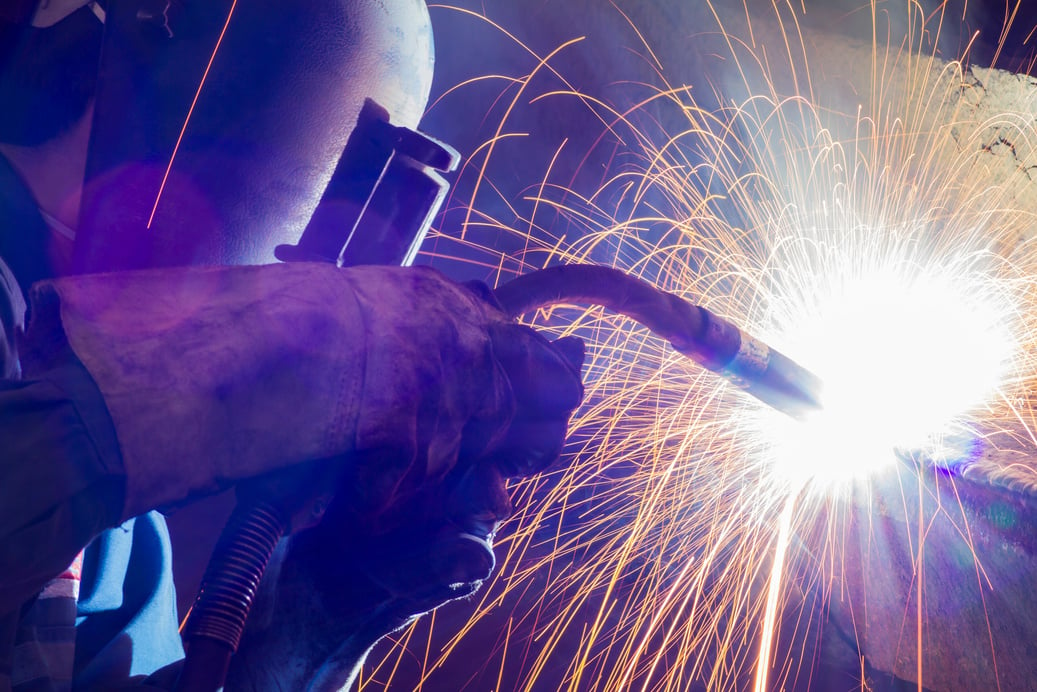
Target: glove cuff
215,374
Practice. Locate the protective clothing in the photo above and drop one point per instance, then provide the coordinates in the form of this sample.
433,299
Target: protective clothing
213,375
61,472
205,150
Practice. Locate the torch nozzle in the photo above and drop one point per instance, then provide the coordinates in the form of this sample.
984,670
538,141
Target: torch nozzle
713,342
753,366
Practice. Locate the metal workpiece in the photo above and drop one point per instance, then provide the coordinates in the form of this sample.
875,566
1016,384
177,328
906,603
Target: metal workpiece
711,341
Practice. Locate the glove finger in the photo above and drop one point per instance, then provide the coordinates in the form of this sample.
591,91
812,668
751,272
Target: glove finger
530,446
544,377
476,498
545,380
573,350
484,293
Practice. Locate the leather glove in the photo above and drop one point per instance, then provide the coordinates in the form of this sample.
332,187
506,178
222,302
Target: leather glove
214,375
334,590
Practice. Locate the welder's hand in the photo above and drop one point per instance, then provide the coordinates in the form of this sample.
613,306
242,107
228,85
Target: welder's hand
334,590
215,375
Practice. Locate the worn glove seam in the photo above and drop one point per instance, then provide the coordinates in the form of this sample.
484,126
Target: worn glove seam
352,386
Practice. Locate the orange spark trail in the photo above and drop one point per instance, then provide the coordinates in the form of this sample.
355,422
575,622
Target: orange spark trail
190,112
770,619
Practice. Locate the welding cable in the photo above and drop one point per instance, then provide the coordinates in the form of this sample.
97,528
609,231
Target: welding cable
694,331
217,618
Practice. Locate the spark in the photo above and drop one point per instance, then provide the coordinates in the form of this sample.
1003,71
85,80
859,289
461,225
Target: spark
190,109
695,535
908,346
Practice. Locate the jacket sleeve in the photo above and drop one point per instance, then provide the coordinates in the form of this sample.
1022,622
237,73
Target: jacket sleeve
60,468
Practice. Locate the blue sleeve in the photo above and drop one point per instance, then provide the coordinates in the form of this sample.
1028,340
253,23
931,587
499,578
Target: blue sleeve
127,622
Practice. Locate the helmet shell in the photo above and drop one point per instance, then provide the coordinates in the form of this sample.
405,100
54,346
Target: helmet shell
217,124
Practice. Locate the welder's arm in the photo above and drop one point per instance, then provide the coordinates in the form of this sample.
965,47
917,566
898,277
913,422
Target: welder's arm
213,375
165,385
61,477
60,471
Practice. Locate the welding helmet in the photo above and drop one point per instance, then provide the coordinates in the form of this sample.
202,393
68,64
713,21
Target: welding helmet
218,124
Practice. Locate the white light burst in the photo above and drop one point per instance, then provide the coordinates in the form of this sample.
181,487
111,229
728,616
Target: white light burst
909,340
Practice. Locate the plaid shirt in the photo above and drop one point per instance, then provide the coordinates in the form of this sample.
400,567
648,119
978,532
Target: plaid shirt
44,646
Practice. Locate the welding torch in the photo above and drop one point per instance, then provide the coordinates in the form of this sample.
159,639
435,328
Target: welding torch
383,228
708,339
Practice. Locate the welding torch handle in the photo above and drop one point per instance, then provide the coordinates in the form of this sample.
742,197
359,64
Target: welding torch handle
692,330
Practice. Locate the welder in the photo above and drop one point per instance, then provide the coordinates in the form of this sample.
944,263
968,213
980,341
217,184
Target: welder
172,145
